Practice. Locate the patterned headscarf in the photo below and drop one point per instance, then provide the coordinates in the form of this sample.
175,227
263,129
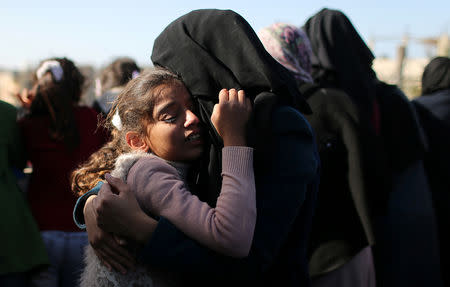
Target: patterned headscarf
290,46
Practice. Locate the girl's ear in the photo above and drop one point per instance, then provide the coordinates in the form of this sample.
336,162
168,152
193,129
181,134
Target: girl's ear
135,141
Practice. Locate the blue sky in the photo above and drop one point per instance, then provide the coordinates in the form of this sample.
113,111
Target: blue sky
94,32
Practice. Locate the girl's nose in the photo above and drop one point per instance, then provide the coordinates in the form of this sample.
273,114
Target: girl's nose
191,119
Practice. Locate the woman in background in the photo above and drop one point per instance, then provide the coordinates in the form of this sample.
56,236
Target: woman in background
58,135
406,250
433,108
339,249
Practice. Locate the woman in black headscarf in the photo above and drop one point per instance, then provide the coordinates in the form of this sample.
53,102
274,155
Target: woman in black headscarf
393,147
433,108
215,49
339,249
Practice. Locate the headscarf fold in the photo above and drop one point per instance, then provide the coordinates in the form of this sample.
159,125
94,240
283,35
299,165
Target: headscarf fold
341,57
392,139
290,46
214,49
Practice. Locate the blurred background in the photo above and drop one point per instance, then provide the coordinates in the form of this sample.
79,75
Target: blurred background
403,35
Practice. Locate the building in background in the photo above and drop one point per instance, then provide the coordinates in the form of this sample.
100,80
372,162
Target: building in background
407,72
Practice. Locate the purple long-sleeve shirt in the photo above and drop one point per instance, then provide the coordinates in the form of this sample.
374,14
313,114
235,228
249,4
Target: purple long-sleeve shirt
228,228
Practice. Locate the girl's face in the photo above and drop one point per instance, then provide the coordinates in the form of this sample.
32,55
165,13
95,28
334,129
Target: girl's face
175,134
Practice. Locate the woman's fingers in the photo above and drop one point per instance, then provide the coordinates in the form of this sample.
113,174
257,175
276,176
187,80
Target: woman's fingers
117,185
112,254
110,262
105,245
101,256
118,257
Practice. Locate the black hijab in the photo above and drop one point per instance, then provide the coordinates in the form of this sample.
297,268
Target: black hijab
436,76
341,58
214,49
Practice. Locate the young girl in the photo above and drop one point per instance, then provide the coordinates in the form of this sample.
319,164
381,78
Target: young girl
59,134
156,138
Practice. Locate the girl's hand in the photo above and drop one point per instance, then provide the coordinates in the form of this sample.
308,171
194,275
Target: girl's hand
26,97
230,116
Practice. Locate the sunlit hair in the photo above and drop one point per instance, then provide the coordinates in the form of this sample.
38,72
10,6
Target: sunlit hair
56,98
135,106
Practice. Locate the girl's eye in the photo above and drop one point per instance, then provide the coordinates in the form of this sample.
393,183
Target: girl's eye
169,119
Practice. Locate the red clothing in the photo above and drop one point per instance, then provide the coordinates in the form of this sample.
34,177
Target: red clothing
49,194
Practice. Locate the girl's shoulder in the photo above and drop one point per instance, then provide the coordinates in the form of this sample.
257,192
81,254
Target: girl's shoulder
140,161
124,163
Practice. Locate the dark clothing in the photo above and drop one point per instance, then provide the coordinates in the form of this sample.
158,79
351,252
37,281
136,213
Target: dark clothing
285,197
215,49
406,250
341,59
393,147
436,76
341,226
22,249
434,114
49,193
437,105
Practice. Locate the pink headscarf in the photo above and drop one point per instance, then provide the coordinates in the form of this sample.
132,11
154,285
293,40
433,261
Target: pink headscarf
290,46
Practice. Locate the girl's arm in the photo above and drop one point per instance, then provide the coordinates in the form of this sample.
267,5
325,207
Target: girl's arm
283,194
227,228
286,190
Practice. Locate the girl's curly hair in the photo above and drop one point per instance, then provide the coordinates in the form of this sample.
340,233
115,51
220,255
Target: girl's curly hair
134,106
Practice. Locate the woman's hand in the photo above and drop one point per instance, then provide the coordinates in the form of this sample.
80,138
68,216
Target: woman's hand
105,245
230,116
111,216
119,212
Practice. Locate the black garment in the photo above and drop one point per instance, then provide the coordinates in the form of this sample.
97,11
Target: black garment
406,250
341,59
434,114
393,149
436,76
215,49
341,226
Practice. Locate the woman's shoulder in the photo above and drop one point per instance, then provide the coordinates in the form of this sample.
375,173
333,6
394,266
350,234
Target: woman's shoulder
331,98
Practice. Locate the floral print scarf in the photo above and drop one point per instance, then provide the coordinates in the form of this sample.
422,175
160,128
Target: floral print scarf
290,46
